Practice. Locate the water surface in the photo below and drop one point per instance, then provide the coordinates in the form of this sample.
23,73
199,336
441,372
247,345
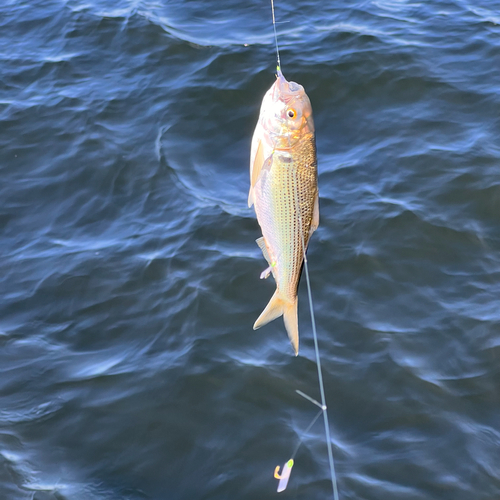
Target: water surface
129,274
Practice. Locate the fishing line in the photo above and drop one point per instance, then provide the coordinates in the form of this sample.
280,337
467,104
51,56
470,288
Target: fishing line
318,360
305,432
285,475
275,35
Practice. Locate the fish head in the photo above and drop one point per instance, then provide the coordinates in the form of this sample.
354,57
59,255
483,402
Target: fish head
286,113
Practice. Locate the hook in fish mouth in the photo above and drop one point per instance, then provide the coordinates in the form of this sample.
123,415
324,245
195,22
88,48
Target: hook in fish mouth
286,114
283,89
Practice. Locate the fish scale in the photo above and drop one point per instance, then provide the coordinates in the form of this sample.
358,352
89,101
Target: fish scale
291,179
283,175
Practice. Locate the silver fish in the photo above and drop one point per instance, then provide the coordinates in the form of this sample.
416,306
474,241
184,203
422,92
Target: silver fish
284,192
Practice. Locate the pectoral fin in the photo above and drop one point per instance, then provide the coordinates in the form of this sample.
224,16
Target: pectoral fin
257,163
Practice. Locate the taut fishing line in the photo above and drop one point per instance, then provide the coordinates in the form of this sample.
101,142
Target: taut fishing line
275,35
318,360
287,468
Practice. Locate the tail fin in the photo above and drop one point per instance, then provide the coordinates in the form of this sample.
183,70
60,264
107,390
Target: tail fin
292,324
274,309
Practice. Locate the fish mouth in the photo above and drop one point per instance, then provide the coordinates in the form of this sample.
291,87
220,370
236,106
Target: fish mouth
281,82
284,90
287,92
283,133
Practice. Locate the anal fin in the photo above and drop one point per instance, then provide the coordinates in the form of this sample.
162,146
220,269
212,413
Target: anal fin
262,245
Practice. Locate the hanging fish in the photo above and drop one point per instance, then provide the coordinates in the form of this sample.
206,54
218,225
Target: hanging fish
284,192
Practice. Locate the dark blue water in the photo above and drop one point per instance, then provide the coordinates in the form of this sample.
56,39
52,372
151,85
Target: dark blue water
129,274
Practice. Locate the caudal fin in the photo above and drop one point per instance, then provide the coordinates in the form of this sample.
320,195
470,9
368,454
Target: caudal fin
292,324
274,309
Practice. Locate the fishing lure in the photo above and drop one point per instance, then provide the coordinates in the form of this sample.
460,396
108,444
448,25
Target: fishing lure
283,175
284,476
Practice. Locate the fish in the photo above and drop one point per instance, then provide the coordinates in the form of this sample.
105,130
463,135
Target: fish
284,193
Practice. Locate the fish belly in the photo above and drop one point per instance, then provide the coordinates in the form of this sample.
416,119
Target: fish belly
284,204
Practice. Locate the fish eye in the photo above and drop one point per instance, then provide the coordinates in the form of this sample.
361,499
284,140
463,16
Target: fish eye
291,113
